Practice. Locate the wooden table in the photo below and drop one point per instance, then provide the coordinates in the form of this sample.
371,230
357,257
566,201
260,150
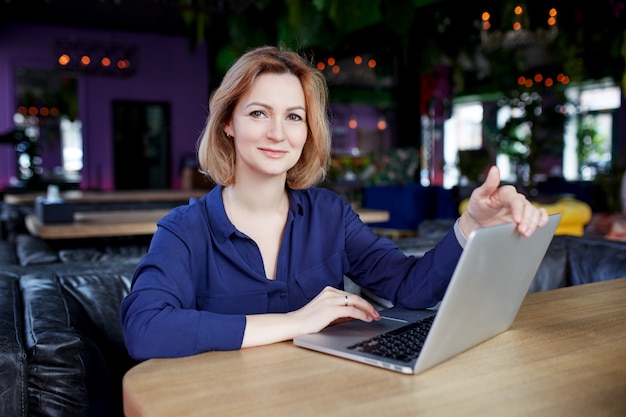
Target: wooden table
96,197
98,224
126,223
104,197
372,215
565,355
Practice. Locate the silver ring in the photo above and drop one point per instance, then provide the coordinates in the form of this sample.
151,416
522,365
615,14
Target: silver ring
346,301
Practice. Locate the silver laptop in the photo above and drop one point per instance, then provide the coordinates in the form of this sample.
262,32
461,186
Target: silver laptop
487,288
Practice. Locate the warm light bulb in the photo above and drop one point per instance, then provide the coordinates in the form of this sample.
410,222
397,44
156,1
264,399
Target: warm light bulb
358,60
64,59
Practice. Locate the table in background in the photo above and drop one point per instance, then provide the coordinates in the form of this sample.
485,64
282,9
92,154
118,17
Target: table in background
114,223
564,355
372,215
92,224
108,197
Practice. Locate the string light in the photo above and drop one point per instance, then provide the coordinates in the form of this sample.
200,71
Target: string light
331,63
108,59
64,59
541,79
518,35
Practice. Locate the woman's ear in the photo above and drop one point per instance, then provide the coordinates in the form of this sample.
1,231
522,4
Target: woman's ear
228,130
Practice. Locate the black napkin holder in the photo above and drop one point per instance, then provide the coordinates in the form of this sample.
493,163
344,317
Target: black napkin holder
54,211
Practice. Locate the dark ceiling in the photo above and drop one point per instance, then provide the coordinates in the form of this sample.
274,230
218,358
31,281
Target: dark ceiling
158,16
406,35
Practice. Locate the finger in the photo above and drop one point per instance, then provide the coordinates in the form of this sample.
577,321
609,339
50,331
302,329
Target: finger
516,202
543,217
491,184
532,218
359,308
536,217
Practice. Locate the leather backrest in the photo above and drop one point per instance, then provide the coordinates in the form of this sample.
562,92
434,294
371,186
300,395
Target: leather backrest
594,259
13,391
74,342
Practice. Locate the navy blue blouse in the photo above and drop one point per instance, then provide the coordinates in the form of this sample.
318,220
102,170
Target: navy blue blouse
201,276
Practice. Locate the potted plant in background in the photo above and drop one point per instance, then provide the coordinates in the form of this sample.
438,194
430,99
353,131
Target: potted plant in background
532,134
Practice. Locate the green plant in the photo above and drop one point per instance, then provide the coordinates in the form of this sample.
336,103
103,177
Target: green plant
534,130
590,143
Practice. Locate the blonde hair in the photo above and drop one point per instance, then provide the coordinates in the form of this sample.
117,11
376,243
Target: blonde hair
216,151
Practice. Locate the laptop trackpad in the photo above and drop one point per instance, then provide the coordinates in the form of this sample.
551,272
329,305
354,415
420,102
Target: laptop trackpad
405,315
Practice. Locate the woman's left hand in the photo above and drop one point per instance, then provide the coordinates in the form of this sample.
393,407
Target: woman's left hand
492,204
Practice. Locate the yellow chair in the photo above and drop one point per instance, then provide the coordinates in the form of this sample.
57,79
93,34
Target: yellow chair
576,214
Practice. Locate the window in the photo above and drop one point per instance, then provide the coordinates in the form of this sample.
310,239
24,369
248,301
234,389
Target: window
589,130
71,144
462,132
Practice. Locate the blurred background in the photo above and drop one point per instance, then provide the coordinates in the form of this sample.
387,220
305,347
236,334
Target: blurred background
112,94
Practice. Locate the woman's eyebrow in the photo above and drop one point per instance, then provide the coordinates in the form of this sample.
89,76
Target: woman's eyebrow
267,106
257,103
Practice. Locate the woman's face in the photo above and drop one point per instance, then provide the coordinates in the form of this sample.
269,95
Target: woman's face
269,126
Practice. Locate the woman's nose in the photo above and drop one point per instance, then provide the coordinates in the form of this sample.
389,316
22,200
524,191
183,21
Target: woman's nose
276,132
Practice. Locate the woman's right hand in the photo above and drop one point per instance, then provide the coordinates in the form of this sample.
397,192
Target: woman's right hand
330,306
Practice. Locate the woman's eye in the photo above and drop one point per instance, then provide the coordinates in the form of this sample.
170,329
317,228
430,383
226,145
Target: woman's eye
294,117
257,114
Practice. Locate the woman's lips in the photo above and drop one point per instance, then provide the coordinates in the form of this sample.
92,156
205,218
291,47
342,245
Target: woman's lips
273,153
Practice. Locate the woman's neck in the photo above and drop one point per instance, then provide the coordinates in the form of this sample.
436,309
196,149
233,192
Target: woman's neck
257,195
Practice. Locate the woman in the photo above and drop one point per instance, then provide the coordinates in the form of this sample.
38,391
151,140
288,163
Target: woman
261,258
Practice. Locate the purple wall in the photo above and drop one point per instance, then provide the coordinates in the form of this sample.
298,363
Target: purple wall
167,71
367,132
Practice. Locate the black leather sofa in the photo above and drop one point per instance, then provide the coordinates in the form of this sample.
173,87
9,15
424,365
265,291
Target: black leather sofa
570,260
62,351
61,345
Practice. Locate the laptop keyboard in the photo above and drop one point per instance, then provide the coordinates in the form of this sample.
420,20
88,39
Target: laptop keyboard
403,344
